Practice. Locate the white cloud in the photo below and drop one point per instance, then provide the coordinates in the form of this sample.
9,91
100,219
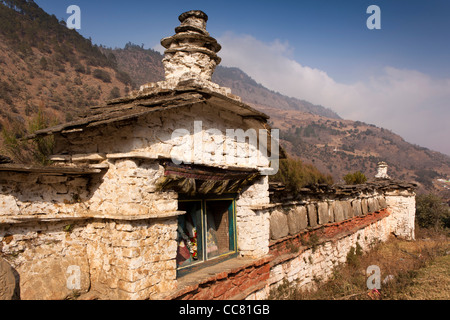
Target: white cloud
408,102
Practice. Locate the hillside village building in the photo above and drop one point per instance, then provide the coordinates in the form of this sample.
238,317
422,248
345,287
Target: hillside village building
164,194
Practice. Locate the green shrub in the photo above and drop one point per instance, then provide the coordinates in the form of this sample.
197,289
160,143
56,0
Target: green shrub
102,75
355,178
354,254
42,146
294,174
115,93
23,151
432,212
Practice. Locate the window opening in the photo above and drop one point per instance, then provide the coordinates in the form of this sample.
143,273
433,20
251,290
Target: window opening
218,228
206,232
190,248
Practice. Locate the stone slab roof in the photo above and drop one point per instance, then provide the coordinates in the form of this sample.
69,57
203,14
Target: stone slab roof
280,193
148,101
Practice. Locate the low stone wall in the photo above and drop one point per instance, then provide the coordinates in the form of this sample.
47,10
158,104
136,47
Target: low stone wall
113,258
312,208
235,279
293,217
57,225
304,265
312,233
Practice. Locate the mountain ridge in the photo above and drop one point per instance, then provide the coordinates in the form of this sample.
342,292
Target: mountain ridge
150,69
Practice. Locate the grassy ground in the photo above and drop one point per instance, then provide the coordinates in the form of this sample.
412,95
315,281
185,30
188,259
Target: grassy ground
430,283
410,270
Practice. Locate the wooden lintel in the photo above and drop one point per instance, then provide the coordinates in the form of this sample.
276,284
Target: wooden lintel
48,170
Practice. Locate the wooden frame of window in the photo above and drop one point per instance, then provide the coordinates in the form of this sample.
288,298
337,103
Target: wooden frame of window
204,258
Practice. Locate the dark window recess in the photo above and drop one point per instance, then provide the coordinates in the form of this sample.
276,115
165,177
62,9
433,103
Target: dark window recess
189,232
206,233
218,228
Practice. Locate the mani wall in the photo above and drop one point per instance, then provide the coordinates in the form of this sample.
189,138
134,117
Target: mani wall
303,237
280,237
310,237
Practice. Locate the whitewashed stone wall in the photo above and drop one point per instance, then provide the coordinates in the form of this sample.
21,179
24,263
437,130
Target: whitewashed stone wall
290,219
252,223
127,189
115,259
32,194
124,259
41,254
132,259
317,264
403,207
152,137
50,223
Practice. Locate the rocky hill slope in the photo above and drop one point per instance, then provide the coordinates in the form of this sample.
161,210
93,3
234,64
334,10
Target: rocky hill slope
338,147
45,66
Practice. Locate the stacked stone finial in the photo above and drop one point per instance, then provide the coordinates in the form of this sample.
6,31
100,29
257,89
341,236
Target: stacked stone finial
190,58
382,171
191,53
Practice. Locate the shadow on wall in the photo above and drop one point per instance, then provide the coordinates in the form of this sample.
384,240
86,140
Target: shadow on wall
9,282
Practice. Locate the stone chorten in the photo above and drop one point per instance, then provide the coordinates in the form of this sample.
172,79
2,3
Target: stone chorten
191,53
191,56
382,171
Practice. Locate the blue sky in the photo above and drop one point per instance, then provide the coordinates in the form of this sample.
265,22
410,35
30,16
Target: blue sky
397,77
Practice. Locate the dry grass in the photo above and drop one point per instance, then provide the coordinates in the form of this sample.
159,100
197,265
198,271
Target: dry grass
430,283
411,269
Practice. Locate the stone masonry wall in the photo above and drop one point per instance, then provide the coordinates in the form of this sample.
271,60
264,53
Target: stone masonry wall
128,188
132,259
41,254
203,141
403,206
115,259
339,223
253,225
115,229
120,256
310,264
